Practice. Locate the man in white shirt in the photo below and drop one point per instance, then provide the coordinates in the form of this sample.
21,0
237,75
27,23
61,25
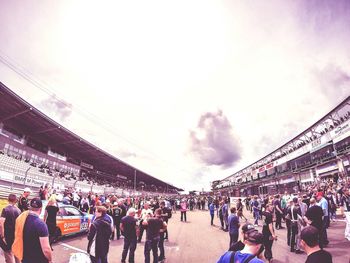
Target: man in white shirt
145,214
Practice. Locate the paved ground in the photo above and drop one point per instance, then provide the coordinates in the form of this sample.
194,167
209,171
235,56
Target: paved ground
197,241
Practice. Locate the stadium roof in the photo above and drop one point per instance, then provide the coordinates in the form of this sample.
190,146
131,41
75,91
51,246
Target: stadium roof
26,119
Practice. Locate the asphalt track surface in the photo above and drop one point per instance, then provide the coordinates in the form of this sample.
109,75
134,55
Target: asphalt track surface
197,241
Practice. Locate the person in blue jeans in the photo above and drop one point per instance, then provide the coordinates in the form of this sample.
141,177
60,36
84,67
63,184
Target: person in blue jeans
155,225
256,210
233,226
212,211
128,227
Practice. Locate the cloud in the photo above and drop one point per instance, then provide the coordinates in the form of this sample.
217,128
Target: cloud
213,141
58,107
333,82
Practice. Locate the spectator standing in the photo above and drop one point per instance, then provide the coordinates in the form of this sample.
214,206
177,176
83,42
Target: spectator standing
165,216
23,200
84,204
268,232
154,226
183,210
322,202
221,215
310,242
9,215
212,212
129,227
278,212
225,214
50,215
99,235
145,213
293,214
233,226
35,235
313,217
117,216
256,210
345,203
239,207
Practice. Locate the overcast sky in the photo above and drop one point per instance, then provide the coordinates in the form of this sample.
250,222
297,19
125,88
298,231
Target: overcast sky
188,91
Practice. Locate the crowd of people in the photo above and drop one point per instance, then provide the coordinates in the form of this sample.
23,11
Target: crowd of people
28,239
305,216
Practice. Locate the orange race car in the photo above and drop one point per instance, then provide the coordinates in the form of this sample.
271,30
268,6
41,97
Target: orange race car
70,220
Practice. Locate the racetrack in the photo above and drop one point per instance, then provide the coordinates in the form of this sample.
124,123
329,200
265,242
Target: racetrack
197,241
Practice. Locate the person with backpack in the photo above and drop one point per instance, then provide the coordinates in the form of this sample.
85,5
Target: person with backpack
253,247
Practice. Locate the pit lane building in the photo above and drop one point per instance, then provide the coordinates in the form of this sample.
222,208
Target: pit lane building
321,152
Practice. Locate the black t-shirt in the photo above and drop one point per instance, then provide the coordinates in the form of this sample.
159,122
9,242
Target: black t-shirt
239,207
315,213
276,204
34,228
165,211
10,213
123,208
51,214
268,220
238,246
129,224
320,256
23,204
117,213
153,228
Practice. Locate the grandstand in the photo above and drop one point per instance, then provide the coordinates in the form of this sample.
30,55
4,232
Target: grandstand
35,150
321,152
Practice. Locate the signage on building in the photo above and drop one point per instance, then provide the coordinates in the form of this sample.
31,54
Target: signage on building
86,165
121,177
20,179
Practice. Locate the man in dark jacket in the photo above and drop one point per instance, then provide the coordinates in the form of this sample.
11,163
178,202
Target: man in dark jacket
9,214
128,226
314,216
99,234
155,226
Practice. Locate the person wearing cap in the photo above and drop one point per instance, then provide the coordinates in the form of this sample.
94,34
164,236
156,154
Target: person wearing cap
239,245
129,228
253,247
9,215
23,200
36,245
310,242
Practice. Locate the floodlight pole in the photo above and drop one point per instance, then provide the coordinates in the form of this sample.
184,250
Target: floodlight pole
135,181
25,176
